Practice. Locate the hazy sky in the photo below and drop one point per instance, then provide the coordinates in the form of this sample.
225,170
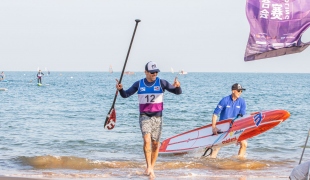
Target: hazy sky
91,35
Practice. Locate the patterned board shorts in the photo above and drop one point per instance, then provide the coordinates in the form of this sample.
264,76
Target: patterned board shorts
152,125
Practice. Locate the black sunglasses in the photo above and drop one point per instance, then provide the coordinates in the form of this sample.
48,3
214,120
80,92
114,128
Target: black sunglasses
153,72
239,90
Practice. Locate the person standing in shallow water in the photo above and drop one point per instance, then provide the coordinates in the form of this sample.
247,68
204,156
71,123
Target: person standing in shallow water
2,76
39,76
150,95
230,107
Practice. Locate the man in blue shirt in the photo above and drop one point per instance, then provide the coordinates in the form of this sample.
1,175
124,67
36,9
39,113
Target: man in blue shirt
229,108
150,96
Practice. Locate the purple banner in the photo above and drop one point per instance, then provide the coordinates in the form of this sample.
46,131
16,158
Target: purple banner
276,27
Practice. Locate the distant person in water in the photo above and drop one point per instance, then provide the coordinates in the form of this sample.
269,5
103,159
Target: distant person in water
39,76
150,96
2,76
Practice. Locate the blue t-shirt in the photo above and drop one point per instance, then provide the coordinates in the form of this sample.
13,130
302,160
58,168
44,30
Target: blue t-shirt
227,108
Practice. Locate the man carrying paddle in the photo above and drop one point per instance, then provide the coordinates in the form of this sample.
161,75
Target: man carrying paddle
230,107
150,95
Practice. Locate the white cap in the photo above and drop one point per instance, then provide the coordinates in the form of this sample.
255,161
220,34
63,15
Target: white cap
151,67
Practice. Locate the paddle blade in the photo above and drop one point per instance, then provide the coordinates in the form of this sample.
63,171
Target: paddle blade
110,120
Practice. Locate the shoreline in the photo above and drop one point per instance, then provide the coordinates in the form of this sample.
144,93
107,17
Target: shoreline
158,178
19,178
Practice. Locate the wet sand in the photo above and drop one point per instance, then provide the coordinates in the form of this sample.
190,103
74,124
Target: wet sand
18,178
158,178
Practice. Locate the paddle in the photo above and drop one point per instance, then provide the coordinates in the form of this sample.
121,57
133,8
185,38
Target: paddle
304,147
111,117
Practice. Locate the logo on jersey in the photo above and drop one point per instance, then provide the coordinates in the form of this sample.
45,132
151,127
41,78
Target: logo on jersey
156,88
142,88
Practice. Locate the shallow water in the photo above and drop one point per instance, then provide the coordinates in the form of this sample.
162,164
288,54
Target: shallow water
56,130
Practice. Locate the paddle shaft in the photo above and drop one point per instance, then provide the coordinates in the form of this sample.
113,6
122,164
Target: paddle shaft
222,133
120,79
304,147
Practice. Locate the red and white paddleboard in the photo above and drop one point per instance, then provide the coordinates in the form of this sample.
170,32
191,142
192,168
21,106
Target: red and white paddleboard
241,129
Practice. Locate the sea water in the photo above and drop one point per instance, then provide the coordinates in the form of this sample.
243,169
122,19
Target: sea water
56,130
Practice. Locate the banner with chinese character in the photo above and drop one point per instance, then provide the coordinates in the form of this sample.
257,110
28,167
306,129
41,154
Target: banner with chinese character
276,27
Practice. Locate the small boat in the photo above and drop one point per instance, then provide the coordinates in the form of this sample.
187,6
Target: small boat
3,89
110,69
129,73
182,72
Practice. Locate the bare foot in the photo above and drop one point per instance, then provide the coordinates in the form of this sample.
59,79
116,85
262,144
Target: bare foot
147,171
239,157
152,175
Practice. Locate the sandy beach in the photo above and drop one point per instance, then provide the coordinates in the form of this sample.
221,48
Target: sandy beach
17,178
158,178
